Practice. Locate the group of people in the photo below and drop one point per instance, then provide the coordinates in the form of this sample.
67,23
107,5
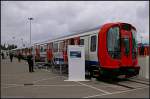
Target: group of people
19,56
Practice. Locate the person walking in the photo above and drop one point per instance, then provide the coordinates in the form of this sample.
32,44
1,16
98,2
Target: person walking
19,57
142,50
11,56
30,62
2,55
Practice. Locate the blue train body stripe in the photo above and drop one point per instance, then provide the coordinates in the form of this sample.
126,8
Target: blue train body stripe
87,62
58,59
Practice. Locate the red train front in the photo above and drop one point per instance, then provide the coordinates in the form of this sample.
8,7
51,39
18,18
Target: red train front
117,50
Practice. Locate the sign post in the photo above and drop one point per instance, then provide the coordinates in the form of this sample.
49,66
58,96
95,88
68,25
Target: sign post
76,63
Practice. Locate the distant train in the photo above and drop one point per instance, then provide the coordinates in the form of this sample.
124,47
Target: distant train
143,49
110,50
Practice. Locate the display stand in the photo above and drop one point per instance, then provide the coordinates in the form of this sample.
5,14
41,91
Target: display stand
76,63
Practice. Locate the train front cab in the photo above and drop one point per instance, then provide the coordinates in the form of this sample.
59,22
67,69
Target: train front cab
117,50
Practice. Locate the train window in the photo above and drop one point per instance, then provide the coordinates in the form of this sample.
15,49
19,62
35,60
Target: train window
56,47
93,43
72,41
126,44
61,46
45,48
81,41
126,27
134,43
42,49
113,42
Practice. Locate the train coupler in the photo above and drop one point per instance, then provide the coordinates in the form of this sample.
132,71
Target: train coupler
95,73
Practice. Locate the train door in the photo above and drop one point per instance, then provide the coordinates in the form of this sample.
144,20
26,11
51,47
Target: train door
127,45
60,54
49,52
56,50
37,53
45,48
65,57
85,41
41,53
126,51
93,49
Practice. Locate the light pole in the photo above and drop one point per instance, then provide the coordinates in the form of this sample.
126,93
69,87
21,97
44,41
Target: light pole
13,40
30,28
22,42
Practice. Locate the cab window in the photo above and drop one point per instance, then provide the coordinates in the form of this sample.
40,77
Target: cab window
134,43
93,43
113,42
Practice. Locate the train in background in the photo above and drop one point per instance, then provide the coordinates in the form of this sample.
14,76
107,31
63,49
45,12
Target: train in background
24,51
143,49
110,50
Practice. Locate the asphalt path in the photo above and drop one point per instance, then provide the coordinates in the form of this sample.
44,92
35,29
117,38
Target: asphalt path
17,82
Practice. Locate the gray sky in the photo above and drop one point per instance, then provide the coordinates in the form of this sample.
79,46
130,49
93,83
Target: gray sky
57,18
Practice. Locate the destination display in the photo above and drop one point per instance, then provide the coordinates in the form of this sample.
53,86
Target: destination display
75,54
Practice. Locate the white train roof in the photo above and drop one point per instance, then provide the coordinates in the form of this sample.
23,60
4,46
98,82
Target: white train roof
77,34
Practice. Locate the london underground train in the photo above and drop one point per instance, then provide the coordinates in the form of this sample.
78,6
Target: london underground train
110,50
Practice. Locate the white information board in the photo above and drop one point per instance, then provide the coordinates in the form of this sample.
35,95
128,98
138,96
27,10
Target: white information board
76,63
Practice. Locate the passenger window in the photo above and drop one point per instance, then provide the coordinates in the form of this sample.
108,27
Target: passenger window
41,48
93,43
56,47
61,46
45,48
72,41
81,41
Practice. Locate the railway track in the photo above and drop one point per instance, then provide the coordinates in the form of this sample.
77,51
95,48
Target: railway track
139,82
125,83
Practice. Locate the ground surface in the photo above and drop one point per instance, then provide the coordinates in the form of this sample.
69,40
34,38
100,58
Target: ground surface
17,82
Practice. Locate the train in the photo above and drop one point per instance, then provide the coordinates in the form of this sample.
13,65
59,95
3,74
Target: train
110,50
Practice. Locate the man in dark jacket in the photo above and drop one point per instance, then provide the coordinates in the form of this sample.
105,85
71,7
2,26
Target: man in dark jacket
11,56
30,62
142,50
2,55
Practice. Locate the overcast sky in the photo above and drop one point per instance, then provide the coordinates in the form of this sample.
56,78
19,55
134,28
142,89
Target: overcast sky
57,18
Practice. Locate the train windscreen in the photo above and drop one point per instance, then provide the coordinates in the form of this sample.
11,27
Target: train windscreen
126,27
113,43
134,43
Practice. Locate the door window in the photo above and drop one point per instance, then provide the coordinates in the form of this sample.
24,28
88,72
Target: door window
93,43
42,49
81,41
126,45
56,47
